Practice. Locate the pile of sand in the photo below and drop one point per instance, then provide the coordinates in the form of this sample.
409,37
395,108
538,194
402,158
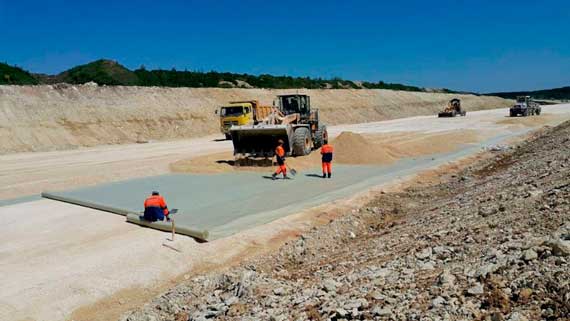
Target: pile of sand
350,148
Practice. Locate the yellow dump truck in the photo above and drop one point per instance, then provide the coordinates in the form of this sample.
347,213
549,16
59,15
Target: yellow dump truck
239,113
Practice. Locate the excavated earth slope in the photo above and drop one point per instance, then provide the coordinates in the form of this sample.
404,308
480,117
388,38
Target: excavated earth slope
491,243
43,118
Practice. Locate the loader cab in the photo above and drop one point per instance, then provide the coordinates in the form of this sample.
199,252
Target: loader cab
291,104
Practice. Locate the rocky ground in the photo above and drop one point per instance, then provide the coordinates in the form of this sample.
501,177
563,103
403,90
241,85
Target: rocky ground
489,243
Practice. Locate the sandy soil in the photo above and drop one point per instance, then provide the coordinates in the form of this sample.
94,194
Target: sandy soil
45,118
350,148
64,258
529,121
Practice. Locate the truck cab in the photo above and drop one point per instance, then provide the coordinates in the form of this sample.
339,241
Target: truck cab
235,114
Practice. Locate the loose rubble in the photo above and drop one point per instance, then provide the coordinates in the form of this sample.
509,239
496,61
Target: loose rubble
490,243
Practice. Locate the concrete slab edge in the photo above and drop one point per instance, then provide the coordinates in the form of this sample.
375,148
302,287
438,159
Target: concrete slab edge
132,217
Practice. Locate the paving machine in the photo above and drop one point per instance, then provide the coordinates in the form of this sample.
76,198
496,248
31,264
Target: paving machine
291,120
453,109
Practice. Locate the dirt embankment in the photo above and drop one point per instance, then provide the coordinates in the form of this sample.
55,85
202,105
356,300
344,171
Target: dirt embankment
350,148
41,118
491,242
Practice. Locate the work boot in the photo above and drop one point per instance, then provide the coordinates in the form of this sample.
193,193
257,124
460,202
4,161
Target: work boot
324,175
330,175
273,176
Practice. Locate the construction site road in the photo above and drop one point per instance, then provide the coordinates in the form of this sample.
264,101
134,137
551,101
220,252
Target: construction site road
70,262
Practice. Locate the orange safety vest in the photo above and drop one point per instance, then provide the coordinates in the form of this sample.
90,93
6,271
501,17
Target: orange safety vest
326,149
156,201
280,151
327,152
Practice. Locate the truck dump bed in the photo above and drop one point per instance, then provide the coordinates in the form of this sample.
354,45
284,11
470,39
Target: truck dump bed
261,112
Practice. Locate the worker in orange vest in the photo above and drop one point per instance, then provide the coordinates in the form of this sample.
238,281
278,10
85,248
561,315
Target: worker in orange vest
280,155
155,208
327,156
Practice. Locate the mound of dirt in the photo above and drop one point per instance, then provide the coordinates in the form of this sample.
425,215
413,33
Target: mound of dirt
352,148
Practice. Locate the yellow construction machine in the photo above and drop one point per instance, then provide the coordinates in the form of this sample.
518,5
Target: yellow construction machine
291,119
453,109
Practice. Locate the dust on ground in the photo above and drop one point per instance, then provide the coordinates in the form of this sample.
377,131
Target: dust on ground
350,148
529,121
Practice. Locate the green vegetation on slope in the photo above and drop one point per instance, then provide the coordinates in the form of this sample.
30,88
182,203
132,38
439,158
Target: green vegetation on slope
173,78
108,72
562,93
15,76
103,72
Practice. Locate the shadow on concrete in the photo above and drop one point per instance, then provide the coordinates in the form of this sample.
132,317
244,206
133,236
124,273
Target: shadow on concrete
219,140
314,175
225,161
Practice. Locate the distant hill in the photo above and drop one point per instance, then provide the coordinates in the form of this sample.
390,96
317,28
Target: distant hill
111,73
103,72
10,75
562,93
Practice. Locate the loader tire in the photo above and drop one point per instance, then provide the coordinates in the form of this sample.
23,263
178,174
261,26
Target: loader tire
320,136
301,141
228,137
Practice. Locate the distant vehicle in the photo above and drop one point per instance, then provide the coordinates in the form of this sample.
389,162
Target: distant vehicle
525,106
239,113
453,109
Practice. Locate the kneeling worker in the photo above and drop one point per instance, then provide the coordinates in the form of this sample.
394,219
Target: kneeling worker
280,155
155,208
327,152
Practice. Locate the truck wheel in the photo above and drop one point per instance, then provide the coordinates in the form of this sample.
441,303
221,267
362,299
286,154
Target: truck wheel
301,141
320,136
538,111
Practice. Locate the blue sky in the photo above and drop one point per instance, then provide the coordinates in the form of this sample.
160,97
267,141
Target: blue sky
479,46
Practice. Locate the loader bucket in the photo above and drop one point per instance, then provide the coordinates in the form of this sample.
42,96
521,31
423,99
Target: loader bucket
260,140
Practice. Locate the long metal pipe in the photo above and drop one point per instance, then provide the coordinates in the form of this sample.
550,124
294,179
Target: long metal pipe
132,217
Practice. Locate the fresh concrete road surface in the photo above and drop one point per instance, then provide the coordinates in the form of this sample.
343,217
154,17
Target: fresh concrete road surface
61,257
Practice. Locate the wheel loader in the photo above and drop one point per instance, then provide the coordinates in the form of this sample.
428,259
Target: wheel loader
453,109
291,120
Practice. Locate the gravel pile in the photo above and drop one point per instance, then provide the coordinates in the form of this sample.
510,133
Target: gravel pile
490,243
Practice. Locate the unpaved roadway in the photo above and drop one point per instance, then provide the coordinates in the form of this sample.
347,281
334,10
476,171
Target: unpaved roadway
64,261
